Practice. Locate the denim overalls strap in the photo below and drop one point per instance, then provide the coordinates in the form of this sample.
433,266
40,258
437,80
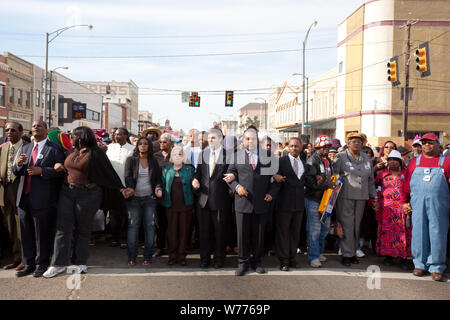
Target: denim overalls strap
430,216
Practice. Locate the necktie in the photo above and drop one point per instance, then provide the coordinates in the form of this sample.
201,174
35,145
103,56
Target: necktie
192,157
212,165
27,187
250,158
12,152
296,167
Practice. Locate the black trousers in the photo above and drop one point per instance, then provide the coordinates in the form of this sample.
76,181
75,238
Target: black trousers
212,224
250,233
37,229
288,225
161,227
119,221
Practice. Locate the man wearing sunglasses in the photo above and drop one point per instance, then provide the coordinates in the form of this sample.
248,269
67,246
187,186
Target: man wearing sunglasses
425,196
9,183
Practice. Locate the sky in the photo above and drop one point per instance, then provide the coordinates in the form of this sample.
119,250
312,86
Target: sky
152,43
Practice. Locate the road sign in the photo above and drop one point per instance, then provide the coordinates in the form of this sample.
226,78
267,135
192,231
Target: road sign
307,126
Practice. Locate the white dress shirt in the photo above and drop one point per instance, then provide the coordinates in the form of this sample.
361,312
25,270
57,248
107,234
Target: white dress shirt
118,154
301,169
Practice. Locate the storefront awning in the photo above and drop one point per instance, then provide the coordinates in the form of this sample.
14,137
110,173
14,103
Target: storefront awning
329,124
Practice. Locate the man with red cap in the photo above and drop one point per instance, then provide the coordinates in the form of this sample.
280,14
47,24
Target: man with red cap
425,195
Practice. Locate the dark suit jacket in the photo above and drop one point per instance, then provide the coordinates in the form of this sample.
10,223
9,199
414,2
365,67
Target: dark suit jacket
45,188
292,191
256,182
213,190
132,172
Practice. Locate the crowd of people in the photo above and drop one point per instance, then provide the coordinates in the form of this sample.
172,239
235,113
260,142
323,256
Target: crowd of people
227,194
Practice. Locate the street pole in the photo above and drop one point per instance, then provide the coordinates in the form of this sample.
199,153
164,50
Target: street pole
304,77
45,78
408,25
50,98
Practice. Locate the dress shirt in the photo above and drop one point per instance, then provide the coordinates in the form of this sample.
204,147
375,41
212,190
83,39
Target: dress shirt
17,149
40,145
254,155
301,169
118,154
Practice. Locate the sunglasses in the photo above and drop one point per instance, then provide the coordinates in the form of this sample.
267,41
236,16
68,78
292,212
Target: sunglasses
431,142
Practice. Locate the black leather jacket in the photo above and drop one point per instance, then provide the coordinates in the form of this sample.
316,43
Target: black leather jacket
316,167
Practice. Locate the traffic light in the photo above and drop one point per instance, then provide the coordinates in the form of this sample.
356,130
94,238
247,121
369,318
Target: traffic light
228,98
423,60
194,100
392,71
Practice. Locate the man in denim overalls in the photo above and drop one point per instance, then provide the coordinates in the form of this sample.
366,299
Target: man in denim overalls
428,189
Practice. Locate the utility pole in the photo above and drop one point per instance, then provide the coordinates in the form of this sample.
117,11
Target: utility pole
407,27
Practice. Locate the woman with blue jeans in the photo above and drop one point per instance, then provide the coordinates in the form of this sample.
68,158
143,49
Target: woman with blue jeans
317,181
143,185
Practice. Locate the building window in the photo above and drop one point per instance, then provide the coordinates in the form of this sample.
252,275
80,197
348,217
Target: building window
53,103
38,98
19,97
341,67
11,96
92,115
27,99
2,95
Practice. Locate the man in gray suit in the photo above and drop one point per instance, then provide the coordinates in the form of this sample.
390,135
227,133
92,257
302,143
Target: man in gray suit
252,170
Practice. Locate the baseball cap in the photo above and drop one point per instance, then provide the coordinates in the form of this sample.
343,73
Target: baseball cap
430,136
395,154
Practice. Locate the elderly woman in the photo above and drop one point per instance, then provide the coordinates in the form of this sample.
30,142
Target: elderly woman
178,198
356,169
163,157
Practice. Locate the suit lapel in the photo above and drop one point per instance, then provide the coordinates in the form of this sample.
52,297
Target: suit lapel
289,165
44,152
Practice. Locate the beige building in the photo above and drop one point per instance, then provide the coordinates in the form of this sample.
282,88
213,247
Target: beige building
19,90
367,39
250,111
229,127
145,120
123,93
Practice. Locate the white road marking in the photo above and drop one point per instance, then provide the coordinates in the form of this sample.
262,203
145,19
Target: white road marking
174,272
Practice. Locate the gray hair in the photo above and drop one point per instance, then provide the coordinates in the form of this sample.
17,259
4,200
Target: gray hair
168,136
176,149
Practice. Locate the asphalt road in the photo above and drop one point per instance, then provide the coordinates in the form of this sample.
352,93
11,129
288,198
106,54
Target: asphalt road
109,277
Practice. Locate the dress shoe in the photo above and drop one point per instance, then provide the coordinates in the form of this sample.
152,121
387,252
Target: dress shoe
241,270
346,261
39,272
11,265
218,265
437,276
204,265
406,265
260,270
354,260
183,262
171,262
20,266
284,267
418,272
388,261
25,272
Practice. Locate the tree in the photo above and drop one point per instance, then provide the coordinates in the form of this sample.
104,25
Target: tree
250,122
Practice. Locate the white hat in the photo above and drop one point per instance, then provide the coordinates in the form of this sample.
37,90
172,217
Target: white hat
395,154
417,142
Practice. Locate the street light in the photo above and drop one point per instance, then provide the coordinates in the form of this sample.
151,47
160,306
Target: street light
50,96
260,116
304,104
54,34
307,91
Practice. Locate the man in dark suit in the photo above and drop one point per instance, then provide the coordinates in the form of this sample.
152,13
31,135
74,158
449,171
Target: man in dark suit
37,197
9,184
252,170
214,200
290,204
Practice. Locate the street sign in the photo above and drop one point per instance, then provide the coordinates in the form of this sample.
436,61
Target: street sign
307,126
184,97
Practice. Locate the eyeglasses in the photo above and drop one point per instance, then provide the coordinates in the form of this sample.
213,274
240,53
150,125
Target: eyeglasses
10,130
428,142
386,147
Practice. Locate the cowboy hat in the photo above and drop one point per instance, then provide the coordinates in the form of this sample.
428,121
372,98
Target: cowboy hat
151,129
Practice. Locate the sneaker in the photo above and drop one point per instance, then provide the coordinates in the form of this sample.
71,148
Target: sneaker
81,269
339,252
360,254
315,263
53,271
322,258
299,251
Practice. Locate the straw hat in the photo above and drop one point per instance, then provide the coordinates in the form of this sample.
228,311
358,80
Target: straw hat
151,129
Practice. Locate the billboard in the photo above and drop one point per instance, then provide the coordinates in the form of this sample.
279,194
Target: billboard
79,110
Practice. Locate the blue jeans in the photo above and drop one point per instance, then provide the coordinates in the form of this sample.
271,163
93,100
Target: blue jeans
138,209
316,231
